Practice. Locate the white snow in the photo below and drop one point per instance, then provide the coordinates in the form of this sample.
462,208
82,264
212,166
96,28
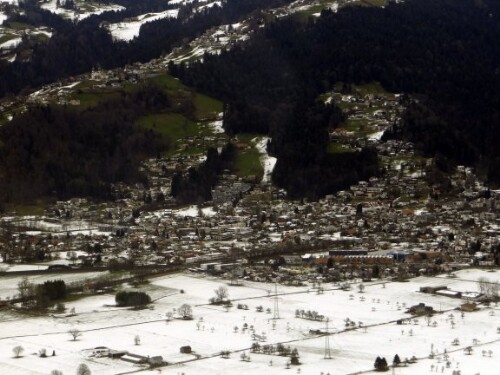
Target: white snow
352,350
376,136
193,211
10,43
268,162
128,30
3,17
184,2
210,5
217,126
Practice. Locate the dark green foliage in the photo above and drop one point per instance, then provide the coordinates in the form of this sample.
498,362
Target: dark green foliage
396,361
196,185
48,292
124,298
54,290
60,151
381,364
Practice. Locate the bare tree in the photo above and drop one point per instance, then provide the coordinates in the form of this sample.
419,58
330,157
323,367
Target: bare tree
484,286
221,294
185,312
428,319
18,350
169,316
74,333
27,292
83,369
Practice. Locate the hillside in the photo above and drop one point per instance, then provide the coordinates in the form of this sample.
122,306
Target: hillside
442,52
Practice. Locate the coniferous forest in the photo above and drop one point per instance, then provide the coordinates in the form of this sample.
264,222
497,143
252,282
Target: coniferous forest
65,152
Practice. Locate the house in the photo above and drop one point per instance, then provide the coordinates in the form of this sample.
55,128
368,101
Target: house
134,358
432,289
186,349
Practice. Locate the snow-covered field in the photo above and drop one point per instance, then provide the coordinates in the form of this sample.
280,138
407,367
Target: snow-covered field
213,330
128,30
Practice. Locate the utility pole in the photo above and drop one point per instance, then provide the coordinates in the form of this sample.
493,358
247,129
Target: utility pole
276,306
328,354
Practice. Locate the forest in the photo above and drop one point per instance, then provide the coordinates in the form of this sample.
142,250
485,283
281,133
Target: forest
63,152
442,52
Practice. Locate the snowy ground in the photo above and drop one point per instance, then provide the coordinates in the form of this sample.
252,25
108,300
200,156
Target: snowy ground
3,17
212,330
268,162
128,30
8,284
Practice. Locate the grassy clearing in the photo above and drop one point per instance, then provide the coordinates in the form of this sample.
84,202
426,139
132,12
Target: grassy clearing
206,107
168,82
368,3
17,25
175,127
247,163
29,209
170,125
356,126
6,37
338,148
93,98
248,137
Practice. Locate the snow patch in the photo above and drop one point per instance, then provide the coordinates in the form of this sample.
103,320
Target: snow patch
377,136
193,211
217,126
10,43
128,30
268,162
3,17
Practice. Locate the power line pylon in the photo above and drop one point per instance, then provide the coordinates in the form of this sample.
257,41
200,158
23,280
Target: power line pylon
328,354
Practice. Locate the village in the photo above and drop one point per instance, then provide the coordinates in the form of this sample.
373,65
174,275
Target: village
403,223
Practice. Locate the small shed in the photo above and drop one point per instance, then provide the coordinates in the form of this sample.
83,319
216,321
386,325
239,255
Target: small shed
186,349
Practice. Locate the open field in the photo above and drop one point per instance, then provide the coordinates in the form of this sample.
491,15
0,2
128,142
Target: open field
213,329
